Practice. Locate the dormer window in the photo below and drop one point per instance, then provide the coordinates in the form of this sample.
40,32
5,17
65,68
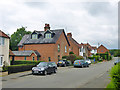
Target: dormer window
48,35
34,36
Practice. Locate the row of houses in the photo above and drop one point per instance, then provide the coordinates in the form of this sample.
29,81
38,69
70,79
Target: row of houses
47,45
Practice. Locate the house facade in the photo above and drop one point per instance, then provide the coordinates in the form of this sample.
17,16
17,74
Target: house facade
4,49
102,49
74,45
50,44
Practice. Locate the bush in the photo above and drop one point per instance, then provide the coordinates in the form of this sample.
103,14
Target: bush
19,68
90,57
25,62
115,77
71,52
79,58
64,57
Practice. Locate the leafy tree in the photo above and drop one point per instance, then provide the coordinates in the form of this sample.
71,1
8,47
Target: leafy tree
16,37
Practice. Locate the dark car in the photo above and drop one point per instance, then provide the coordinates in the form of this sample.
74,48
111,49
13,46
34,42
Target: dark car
117,61
81,63
45,68
63,63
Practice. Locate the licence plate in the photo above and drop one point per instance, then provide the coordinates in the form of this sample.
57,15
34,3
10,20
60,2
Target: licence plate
76,63
35,71
60,62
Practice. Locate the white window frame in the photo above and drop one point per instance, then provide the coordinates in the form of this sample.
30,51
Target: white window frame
34,36
2,40
48,35
65,48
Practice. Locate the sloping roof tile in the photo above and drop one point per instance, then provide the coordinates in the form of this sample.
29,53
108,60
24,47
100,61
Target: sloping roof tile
2,34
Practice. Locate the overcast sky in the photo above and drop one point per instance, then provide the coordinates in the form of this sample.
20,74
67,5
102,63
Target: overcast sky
91,21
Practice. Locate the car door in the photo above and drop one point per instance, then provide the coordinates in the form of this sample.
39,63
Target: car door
50,67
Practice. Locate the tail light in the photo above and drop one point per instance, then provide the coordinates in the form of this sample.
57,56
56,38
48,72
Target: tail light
79,62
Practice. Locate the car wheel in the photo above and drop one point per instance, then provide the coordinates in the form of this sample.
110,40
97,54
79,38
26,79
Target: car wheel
87,65
45,72
55,71
64,65
82,66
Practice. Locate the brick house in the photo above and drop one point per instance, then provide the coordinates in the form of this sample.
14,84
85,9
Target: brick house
74,45
102,49
50,44
4,49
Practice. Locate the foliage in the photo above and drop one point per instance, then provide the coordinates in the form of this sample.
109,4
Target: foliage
115,77
71,52
90,57
71,57
5,68
64,57
16,37
25,62
115,52
79,58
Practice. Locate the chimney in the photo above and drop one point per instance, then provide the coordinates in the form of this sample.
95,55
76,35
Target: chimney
69,34
47,26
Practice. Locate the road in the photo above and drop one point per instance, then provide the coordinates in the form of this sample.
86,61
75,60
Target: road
95,76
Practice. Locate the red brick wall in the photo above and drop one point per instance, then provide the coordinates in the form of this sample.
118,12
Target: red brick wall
74,48
50,50
102,49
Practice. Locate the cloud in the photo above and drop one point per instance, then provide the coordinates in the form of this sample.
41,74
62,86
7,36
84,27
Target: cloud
91,22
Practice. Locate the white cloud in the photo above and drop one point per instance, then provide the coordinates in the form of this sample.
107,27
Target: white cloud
88,21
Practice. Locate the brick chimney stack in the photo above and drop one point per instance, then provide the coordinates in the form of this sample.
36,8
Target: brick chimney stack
47,26
69,34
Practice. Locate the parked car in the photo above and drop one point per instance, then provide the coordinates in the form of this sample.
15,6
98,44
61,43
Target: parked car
117,61
45,68
80,63
88,61
63,63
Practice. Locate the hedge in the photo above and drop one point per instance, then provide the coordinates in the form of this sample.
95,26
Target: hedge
115,77
19,68
25,62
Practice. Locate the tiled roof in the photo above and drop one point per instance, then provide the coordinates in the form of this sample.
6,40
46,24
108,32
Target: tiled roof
74,41
2,34
27,38
26,53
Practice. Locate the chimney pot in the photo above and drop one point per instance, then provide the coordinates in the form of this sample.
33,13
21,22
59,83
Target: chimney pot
69,34
47,26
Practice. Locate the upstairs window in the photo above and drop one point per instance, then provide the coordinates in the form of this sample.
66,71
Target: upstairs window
47,35
58,47
65,48
34,36
2,40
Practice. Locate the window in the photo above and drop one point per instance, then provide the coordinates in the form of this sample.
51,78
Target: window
58,47
34,36
1,60
25,58
48,35
80,49
58,57
38,58
2,40
49,59
65,48
33,58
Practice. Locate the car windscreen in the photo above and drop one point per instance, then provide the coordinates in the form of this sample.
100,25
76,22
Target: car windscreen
42,64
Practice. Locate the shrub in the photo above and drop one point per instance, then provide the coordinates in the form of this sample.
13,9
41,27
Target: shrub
71,52
25,62
71,57
79,58
19,68
115,76
64,57
91,57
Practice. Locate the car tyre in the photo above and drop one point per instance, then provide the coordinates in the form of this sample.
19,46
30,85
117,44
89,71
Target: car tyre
45,72
55,71
64,65
82,66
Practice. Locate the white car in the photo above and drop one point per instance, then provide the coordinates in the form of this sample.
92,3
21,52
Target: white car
88,61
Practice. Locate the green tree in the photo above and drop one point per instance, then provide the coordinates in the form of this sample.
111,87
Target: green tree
16,37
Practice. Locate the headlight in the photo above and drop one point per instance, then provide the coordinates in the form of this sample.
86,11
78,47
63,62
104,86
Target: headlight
42,68
33,68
